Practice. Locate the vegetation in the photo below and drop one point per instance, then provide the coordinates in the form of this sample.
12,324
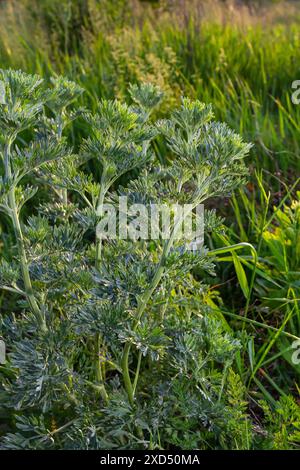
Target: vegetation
145,344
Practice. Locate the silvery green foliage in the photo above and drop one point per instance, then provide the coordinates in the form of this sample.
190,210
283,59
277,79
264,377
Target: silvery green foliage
209,156
119,139
111,344
21,101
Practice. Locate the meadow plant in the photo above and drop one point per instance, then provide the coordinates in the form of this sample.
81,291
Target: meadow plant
110,343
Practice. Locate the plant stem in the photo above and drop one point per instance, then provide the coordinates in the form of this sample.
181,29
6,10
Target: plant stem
130,389
136,378
103,190
63,193
99,375
64,196
20,245
98,371
24,263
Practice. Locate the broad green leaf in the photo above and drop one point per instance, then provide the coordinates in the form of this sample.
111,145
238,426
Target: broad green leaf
241,275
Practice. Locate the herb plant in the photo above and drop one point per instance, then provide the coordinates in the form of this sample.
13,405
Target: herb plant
111,343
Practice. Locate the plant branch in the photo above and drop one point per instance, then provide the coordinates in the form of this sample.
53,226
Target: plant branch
20,244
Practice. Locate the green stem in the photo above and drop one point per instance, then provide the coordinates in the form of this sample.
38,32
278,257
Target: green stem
64,196
138,367
63,193
7,166
262,228
130,389
14,214
99,375
103,190
24,263
239,246
98,371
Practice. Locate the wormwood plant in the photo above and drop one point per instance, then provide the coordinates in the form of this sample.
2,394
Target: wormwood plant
111,343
